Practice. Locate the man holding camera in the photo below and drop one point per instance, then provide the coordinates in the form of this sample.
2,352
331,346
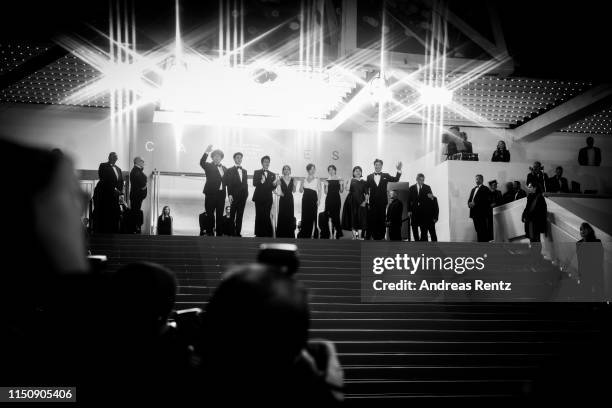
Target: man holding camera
537,176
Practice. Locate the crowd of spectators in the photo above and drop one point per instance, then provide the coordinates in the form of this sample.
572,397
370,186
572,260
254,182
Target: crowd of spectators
117,336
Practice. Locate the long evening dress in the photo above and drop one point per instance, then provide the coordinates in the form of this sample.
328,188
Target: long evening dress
285,223
354,216
309,209
332,205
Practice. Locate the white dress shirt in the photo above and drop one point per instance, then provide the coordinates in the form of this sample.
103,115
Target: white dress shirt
220,169
377,178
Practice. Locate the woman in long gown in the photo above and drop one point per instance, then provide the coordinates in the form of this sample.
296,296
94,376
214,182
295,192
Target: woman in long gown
333,188
285,223
354,214
311,189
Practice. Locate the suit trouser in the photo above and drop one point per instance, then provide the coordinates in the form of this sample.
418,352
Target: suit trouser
136,201
236,213
428,227
395,232
263,223
482,228
136,207
377,227
214,203
414,225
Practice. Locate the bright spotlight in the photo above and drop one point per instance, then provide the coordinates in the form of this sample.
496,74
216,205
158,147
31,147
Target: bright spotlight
379,90
435,95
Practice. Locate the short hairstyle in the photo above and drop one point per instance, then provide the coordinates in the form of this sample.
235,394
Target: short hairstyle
357,168
217,152
286,166
538,163
454,127
559,168
517,182
480,175
378,161
112,154
238,154
265,158
309,166
493,182
137,158
590,140
420,175
331,166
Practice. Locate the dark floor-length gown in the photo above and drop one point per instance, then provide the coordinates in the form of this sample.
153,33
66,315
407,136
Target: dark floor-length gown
309,214
285,223
333,204
354,216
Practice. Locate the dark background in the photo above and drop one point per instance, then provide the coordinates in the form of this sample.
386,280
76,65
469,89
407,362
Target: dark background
548,39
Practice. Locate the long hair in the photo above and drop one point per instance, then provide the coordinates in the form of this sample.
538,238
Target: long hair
590,232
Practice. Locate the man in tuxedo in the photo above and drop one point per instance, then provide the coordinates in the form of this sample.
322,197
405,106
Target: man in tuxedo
589,155
558,183
214,189
376,186
237,192
138,191
479,209
264,182
394,217
420,209
106,196
495,199
518,191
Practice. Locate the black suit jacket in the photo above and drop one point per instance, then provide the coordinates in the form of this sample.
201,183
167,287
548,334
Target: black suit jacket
481,202
378,193
538,178
508,197
138,183
108,178
394,213
558,185
418,200
236,188
213,177
519,194
583,156
263,191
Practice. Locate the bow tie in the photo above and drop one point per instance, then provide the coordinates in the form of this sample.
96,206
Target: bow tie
219,165
239,167
377,174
